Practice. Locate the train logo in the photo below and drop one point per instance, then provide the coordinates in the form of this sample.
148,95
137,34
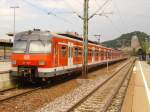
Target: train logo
26,57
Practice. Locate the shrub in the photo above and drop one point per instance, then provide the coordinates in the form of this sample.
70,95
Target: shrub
148,62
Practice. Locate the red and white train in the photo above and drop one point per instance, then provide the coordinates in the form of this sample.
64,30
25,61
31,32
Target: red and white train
42,54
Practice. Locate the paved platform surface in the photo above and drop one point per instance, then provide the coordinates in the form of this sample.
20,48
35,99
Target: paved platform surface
137,98
5,79
5,66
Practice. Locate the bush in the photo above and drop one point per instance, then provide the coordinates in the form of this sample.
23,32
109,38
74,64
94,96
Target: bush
148,62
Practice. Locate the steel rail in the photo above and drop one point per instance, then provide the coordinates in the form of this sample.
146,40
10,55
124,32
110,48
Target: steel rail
20,94
3,72
90,94
129,72
1,91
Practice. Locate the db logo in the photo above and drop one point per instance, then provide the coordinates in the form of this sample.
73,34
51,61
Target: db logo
26,57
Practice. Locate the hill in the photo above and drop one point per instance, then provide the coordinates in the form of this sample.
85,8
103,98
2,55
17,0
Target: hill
124,40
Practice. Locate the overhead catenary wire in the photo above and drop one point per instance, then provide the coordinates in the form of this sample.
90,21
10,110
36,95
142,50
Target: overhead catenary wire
119,13
73,11
96,3
100,8
115,27
70,12
47,12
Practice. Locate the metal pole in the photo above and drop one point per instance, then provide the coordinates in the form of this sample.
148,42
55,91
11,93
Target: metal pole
14,21
85,38
146,48
4,52
14,25
107,63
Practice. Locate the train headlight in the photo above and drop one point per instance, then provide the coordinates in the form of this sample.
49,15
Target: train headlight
41,62
13,62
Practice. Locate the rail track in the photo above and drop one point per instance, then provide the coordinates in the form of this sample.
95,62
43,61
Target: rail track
14,92
101,99
98,99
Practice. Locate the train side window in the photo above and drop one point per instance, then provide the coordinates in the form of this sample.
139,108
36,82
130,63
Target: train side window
96,53
63,51
109,53
75,51
102,53
89,52
80,51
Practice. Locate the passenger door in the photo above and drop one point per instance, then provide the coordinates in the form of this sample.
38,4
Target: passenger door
56,64
63,55
70,56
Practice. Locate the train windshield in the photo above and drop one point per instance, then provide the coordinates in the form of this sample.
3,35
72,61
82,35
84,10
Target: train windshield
20,46
40,46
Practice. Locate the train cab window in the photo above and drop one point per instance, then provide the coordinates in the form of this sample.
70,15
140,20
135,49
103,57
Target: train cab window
39,46
63,51
19,46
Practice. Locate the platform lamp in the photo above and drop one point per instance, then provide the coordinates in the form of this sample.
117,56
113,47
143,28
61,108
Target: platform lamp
146,45
14,26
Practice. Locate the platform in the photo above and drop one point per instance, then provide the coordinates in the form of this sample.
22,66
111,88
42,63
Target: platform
137,98
5,80
5,66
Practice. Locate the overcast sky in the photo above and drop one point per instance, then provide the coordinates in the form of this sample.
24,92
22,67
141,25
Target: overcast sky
127,16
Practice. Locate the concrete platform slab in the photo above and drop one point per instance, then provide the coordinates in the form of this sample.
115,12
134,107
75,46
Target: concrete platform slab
5,79
5,66
137,97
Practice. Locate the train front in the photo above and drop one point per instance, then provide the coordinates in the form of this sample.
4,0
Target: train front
31,55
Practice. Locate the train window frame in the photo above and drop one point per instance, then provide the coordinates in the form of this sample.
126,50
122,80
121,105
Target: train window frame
47,45
20,51
102,53
80,52
90,52
75,51
96,53
63,51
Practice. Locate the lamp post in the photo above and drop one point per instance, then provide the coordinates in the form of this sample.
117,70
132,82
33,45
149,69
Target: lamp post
146,40
14,26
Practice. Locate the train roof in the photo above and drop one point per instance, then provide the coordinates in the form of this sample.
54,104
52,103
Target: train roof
33,34
81,39
38,34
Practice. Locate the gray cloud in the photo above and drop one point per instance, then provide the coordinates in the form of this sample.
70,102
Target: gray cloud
132,15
